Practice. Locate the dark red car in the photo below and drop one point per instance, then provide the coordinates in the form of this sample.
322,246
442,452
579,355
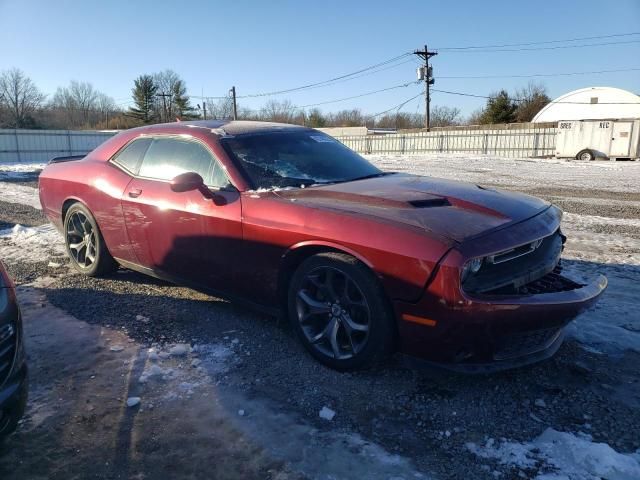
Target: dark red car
288,219
13,366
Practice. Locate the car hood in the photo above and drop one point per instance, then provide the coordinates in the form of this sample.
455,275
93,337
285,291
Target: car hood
455,210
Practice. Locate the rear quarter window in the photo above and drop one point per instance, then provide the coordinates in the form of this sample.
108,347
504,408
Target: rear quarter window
129,158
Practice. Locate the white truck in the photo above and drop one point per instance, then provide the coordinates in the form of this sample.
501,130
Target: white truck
613,139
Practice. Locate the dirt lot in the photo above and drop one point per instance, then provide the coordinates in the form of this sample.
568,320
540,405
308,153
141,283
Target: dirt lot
228,393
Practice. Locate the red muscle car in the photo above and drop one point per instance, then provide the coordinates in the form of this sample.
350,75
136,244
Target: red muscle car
286,218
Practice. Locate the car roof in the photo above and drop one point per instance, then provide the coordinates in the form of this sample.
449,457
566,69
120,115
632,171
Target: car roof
228,127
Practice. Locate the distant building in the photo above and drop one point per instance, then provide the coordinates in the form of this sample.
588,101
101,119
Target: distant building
344,131
591,103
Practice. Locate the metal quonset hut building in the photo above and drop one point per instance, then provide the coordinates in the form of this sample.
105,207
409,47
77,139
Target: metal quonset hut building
595,122
593,103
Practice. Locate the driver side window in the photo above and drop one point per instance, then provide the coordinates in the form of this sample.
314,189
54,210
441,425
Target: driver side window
168,157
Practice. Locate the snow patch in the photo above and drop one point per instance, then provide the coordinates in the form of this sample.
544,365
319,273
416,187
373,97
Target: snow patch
327,414
22,194
179,350
562,456
30,244
154,371
21,166
522,173
19,170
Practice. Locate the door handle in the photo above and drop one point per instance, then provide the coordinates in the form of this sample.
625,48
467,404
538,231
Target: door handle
135,193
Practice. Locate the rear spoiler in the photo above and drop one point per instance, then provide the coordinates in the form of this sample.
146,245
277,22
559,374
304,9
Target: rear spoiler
70,158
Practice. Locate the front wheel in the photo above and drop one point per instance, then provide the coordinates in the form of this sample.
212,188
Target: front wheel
84,243
340,312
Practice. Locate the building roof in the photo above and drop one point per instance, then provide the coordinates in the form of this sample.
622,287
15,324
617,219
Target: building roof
591,103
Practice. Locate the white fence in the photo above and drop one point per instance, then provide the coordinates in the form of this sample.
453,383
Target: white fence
529,142
43,145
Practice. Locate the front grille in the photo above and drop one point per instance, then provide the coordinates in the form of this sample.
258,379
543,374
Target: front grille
7,350
525,343
552,282
517,267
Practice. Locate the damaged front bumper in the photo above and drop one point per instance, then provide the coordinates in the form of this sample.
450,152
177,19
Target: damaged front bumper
509,323
492,332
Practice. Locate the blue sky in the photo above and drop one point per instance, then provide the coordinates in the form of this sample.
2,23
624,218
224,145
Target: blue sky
263,46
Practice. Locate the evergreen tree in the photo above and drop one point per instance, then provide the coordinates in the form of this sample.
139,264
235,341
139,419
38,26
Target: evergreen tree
316,119
144,96
181,102
500,109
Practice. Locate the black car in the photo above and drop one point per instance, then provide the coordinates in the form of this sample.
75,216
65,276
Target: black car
13,367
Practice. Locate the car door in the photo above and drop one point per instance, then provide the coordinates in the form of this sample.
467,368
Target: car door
183,234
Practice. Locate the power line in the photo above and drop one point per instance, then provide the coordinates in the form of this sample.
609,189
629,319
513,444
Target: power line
343,78
557,47
463,94
560,74
398,107
361,95
540,43
303,87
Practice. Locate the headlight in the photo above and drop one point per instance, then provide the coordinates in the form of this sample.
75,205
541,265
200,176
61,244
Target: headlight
471,267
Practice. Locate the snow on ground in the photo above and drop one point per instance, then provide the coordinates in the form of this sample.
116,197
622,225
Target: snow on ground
19,170
561,456
22,194
525,172
31,244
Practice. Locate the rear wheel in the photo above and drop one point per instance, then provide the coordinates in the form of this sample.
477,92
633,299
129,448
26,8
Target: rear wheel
340,313
586,155
84,243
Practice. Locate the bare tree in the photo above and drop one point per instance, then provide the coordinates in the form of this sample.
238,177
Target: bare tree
20,96
400,120
172,101
219,109
105,108
347,118
445,116
530,100
279,111
475,118
79,102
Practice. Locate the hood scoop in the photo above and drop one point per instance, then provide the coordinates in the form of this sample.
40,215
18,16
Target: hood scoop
430,202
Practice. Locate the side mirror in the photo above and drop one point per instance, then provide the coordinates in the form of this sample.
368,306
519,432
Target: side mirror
187,181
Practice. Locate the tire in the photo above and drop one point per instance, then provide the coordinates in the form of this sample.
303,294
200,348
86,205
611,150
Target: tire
84,243
340,312
586,155
9,423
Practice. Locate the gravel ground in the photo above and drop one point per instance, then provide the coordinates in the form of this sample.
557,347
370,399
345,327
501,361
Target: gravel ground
425,416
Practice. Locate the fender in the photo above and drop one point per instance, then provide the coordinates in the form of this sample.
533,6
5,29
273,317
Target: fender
331,245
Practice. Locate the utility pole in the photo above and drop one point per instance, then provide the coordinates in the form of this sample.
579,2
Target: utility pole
426,73
164,104
235,106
